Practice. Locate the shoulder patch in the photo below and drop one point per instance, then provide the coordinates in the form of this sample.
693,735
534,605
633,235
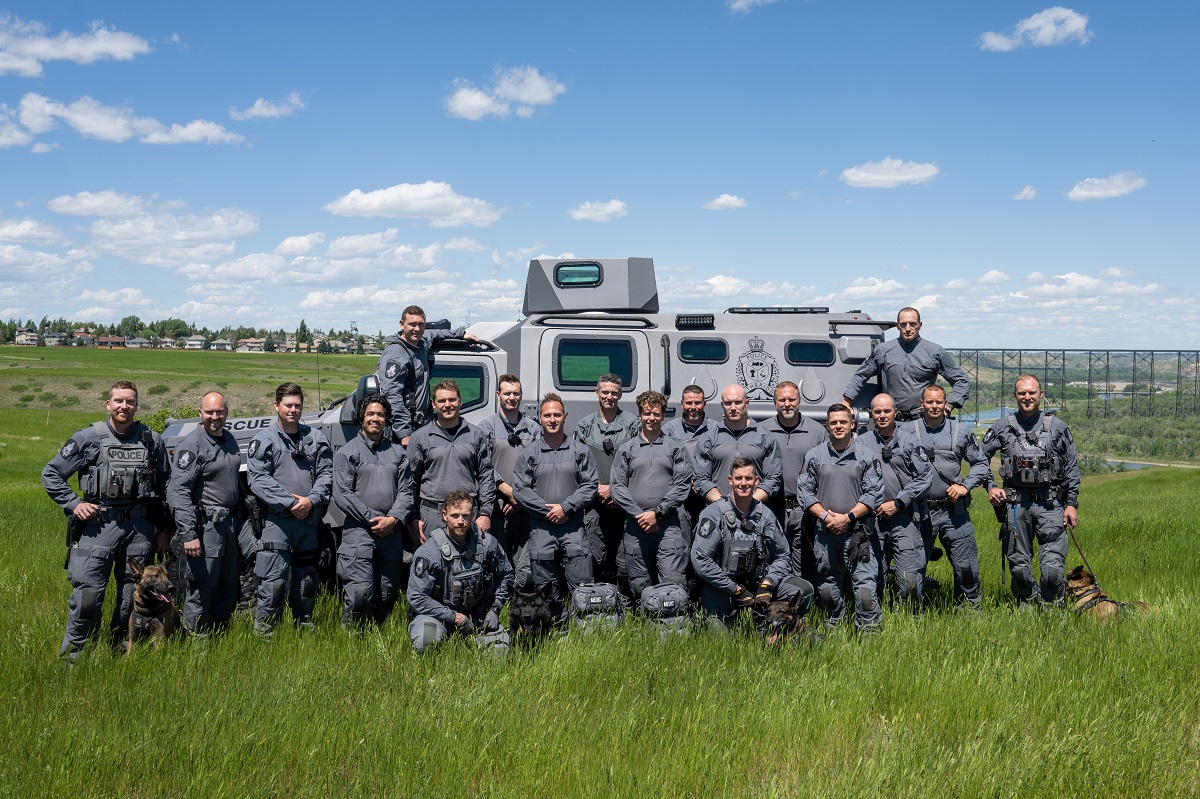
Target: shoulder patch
420,566
69,449
1067,434
185,460
922,455
706,527
391,370
878,468
253,448
989,435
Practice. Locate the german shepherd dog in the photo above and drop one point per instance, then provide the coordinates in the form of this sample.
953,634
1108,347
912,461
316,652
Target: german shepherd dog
154,616
531,614
1089,599
781,619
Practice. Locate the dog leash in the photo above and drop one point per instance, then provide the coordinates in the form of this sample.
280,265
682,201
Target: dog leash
1088,566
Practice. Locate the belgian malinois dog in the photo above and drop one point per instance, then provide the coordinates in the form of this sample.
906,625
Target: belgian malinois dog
154,616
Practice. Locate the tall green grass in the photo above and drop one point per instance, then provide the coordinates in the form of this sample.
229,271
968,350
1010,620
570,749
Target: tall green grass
1006,703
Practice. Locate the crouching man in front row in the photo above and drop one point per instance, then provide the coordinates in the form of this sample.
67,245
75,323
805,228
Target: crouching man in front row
460,579
740,555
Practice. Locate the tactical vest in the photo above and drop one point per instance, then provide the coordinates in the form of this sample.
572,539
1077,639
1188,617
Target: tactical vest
897,470
741,549
466,581
123,473
504,452
1031,461
942,458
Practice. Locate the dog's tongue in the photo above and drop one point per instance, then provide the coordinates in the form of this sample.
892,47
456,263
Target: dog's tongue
161,597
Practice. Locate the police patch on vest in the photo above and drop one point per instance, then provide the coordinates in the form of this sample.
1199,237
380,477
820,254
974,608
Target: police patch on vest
420,566
69,449
706,527
253,448
185,460
878,469
391,370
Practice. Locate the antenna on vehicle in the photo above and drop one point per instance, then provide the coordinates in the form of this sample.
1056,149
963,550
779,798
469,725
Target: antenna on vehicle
318,377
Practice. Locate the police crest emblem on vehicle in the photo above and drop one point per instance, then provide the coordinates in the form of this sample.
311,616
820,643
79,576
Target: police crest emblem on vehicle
757,371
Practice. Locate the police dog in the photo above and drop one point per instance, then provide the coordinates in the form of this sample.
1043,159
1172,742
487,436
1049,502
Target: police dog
531,613
1090,600
154,615
781,620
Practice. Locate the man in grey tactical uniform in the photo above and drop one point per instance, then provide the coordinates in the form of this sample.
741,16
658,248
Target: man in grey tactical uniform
908,364
795,436
555,481
448,455
740,553
290,467
510,432
737,436
1041,489
403,371
651,479
948,444
204,494
907,475
602,432
688,428
366,486
841,482
460,580
122,468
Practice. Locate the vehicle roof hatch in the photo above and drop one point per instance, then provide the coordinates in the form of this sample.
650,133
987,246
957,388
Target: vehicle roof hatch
622,285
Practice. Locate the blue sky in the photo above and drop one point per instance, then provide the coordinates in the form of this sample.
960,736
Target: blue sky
1023,173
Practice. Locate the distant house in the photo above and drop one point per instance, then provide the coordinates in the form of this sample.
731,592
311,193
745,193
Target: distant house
53,338
250,345
110,341
83,340
137,343
162,343
195,342
221,344
26,336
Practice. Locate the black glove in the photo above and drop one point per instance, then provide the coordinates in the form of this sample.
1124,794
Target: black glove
743,598
765,592
467,627
491,622
860,547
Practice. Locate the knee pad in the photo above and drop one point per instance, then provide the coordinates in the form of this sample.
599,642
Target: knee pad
866,599
276,590
89,603
359,596
827,594
426,635
308,585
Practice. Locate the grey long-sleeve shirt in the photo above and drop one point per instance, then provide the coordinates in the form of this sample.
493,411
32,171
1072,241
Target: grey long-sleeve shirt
593,432
564,475
840,480
440,461
794,443
907,472
651,475
279,466
907,369
205,473
403,372
716,452
948,445
366,480
504,454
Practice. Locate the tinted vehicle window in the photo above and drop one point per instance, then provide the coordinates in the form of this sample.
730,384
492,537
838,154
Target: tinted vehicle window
581,361
707,350
567,275
472,382
809,353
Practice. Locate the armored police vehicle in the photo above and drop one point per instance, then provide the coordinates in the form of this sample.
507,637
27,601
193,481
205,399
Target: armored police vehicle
585,318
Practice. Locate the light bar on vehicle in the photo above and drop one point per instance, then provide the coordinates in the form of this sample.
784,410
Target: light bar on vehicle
695,321
776,309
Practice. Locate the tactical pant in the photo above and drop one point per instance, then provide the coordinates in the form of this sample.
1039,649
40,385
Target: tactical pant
213,579
898,541
287,571
721,613
833,561
560,551
653,558
952,524
511,529
104,549
799,531
426,632
689,513
370,570
1044,520
605,527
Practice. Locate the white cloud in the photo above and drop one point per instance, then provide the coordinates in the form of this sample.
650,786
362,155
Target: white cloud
92,119
1055,25
41,148
599,211
888,173
746,6
1027,193
363,245
300,245
724,203
12,134
993,277
436,202
464,244
123,298
487,299
501,260
525,86
158,237
269,109
18,230
25,46
101,203
1116,185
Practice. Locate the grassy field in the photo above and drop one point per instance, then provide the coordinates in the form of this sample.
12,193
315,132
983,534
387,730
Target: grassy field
1007,703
